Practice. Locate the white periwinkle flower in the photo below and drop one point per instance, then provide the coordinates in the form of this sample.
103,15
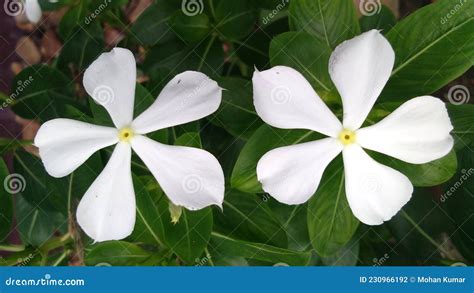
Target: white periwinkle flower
190,177
417,132
33,10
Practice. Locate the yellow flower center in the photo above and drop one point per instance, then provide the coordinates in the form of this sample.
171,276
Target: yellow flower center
126,134
347,137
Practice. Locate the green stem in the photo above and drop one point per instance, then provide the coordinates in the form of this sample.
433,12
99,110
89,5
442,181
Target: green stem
60,258
12,248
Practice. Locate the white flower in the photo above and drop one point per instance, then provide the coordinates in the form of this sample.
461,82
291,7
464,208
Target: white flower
107,210
417,132
33,10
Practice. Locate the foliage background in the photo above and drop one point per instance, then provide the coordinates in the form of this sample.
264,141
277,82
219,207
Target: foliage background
43,63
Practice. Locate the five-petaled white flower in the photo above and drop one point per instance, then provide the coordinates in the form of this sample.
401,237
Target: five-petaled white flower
107,210
417,132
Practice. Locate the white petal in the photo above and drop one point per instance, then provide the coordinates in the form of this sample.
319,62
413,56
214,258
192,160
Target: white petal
33,10
107,210
283,98
190,177
374,191
65,144
291,174
110,81
417,132
360,68
189,96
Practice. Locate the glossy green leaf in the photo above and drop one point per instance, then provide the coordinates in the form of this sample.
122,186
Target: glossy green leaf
81,48
35,224
331,22
423,175
174,57
462,118
348,255
266,138
247,217
459,199
72,19
331,223
116,253
190,28
222,244
236,114
235,19
6,202
432,47
383,20
152,26
40,92
306,54
37,187
419,225
294,223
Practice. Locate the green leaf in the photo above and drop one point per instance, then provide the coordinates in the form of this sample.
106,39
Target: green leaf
116,253
236,114
235,19
221,244
266,138
383,20
190,139
152,26
348,255
419,225
7,144
6,203
190,28
41,92
462,118
36,225
174,57
294,223
331,22
150,215
331,223
81,48
308,55
247,217
459,200
73,20
423,175
254,50
432,47
37,187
